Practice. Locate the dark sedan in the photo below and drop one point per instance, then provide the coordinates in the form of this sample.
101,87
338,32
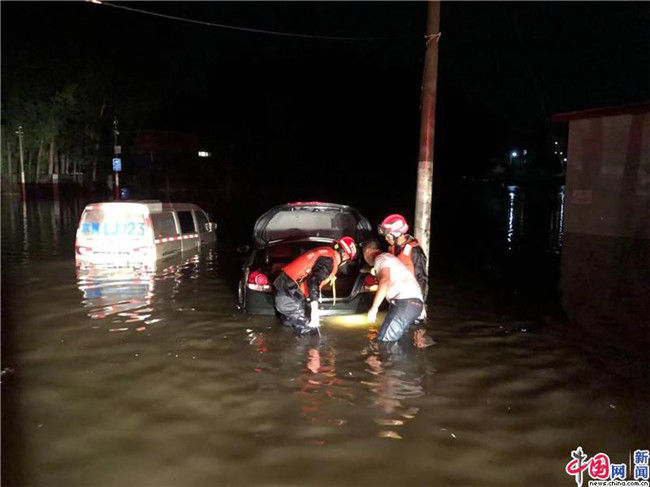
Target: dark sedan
285,232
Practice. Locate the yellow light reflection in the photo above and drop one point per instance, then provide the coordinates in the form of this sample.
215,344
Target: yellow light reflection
352,321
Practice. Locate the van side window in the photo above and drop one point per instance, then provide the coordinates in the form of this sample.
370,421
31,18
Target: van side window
201,220
163,224
186,221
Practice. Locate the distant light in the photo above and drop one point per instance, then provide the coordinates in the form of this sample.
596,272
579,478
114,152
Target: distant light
561,153
565,159
203,153
525,152
556,142
95,1
555,152
514,154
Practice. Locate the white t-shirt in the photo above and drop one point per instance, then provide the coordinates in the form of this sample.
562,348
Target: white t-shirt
402,282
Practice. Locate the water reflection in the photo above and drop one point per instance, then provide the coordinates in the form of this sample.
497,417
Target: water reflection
392,383
126,292
514,233
212,396
534,219
38,229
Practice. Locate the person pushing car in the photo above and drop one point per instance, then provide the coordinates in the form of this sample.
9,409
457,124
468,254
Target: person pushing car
300,282
398,286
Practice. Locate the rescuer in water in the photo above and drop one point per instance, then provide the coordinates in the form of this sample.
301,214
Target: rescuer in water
300,282
406,248
398,286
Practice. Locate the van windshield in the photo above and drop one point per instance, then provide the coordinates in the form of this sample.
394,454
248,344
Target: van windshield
101,223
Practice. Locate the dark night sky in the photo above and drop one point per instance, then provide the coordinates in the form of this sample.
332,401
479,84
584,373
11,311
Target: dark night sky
295,103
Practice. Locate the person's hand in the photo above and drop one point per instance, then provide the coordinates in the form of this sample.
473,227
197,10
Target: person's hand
372,315
423,315
315,315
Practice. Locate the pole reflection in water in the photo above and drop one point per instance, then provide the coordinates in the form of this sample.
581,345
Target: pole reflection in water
25,230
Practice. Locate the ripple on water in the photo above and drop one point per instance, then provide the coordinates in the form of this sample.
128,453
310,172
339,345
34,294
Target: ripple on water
204,395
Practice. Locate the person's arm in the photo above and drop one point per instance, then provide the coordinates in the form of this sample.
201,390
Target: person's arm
319,272
382,290
421,270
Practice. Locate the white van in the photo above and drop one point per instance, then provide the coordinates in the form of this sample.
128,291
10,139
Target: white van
140,232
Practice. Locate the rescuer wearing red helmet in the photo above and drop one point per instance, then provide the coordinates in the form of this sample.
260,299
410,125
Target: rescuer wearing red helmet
300,282
406,248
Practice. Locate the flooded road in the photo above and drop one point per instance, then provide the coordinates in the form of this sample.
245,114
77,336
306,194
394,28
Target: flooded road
155,378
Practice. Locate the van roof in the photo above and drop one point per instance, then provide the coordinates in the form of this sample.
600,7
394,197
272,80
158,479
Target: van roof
153,206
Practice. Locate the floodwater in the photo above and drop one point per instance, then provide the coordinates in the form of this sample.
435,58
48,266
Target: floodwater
155,378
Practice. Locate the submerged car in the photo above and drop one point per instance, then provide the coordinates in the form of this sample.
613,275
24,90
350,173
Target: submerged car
140,232
287,231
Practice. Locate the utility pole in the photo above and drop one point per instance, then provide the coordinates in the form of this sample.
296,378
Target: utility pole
22,161
116,153
424,192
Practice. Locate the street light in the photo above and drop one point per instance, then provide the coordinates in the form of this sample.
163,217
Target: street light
513,155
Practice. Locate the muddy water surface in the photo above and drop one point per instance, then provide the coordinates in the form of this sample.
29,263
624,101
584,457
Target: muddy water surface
136,378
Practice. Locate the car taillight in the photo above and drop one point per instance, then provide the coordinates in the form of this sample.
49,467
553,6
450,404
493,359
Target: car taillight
258,282
370,284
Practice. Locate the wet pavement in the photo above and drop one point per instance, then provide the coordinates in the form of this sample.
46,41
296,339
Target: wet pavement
155,378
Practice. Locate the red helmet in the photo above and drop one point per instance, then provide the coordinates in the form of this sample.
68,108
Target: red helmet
394,225
348,246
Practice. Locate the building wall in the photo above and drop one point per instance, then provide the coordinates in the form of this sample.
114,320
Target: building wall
608,176
605,280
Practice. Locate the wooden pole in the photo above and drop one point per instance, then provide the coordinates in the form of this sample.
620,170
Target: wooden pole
427,129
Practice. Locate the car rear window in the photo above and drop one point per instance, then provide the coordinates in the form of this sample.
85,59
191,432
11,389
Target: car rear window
292,224
163,224
186,221
111,223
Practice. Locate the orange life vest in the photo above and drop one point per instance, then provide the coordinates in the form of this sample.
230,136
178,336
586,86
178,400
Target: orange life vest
405,256
299,269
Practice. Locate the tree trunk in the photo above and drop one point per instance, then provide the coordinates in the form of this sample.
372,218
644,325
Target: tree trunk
9,159
50,167
38,160
28,169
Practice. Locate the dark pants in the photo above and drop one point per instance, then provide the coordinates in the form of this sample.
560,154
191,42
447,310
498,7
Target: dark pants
402,313
291,304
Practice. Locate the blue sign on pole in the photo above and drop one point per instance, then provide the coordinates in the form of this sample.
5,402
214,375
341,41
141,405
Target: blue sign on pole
117,164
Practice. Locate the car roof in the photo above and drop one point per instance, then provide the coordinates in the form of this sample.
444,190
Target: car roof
153,206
